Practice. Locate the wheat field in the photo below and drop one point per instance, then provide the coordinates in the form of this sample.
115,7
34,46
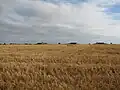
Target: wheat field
60,67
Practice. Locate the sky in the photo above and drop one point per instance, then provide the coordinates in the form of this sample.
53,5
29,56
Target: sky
53,21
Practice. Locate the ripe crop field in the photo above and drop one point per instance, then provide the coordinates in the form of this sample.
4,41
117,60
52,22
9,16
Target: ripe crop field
60,67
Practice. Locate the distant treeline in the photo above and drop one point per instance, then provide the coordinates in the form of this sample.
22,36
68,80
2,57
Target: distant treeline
46,43
22,43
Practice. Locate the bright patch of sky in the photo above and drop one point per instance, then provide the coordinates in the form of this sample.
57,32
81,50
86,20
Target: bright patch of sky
114,10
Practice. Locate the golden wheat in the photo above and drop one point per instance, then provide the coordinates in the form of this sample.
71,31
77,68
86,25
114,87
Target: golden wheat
59,67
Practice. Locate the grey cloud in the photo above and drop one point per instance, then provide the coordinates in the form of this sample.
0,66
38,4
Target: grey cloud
26,11
46,34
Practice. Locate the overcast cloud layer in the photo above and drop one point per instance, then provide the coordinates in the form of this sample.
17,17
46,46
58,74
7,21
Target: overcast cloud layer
55,21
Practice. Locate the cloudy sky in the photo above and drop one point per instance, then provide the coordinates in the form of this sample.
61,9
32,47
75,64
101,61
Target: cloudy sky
63,21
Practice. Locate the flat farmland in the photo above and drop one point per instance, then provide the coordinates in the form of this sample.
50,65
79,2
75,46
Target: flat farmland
60,67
